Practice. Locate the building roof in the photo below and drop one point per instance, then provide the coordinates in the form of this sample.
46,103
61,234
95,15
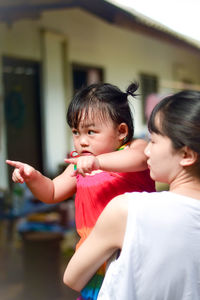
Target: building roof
11,11
155,24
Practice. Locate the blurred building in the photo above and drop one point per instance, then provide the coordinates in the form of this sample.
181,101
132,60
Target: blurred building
50,48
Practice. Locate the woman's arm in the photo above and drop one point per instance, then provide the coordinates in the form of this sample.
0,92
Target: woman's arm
106,237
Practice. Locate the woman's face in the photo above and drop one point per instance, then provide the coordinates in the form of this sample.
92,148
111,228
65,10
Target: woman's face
163,161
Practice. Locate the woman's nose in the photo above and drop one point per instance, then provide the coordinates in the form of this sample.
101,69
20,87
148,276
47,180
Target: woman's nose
147,150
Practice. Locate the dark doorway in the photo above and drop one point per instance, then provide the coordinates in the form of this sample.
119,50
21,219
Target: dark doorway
21,79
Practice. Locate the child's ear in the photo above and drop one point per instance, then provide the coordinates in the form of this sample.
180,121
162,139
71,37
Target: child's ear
189,157
123,131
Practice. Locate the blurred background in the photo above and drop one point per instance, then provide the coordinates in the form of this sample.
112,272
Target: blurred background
48,50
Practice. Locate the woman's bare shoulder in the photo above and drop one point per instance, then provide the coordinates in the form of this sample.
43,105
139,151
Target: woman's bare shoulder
114,217
118,206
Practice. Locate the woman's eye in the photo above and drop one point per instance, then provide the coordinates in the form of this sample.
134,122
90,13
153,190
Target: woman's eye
152,141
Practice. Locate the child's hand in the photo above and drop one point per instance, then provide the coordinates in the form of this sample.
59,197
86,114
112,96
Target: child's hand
22,172
84,164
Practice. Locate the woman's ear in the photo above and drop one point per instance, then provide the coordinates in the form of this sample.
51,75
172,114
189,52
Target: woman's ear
189,157
122,131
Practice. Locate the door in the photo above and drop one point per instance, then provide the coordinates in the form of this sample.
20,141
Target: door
21,79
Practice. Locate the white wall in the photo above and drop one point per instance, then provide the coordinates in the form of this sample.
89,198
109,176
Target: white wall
54,104
3,166
122,54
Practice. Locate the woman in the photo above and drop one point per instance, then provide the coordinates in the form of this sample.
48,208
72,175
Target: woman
158,233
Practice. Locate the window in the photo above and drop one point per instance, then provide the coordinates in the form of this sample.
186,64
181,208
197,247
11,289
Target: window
85,75
148,85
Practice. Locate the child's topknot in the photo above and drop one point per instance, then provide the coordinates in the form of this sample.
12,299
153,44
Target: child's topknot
132,88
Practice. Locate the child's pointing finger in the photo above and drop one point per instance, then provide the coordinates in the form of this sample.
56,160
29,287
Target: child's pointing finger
71,160
15,164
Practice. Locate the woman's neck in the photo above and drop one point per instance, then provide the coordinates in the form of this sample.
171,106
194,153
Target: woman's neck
190,187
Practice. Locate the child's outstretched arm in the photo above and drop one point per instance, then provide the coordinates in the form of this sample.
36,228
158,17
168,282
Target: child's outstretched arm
130,159
106,237
43,188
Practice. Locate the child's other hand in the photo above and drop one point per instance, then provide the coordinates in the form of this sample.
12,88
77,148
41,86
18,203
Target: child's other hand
22,172
84,164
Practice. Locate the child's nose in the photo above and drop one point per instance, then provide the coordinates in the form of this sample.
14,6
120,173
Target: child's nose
83,140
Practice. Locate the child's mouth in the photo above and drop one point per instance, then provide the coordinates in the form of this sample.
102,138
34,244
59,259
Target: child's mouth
86,153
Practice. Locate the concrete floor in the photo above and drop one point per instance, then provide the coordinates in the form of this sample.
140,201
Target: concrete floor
33,270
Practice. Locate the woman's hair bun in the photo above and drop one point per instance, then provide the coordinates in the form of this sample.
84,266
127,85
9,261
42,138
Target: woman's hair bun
132,88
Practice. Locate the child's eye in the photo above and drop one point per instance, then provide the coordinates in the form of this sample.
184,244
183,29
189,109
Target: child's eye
74,132
91,132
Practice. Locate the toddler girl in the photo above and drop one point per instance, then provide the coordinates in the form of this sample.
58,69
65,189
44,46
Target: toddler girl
101,122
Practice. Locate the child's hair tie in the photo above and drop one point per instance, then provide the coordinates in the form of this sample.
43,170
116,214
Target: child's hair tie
129,93
74,154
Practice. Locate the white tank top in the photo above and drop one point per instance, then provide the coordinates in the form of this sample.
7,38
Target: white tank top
160,258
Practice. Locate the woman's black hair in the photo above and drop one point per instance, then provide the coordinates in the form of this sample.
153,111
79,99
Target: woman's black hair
106,100
179,119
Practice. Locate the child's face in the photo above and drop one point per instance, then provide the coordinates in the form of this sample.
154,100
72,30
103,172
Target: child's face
95,136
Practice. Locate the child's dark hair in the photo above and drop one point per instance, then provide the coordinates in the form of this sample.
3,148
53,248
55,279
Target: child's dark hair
179,119
110,102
